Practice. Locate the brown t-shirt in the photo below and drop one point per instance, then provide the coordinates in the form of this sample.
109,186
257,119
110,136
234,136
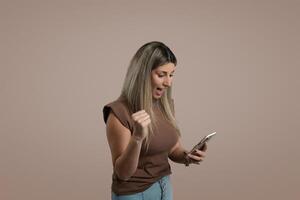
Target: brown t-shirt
153,164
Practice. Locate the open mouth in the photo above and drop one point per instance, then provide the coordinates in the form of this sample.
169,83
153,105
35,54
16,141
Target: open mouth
159,91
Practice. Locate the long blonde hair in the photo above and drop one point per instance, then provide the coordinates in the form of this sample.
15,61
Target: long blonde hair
137,88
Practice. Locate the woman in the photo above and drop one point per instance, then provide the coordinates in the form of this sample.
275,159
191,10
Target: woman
141,128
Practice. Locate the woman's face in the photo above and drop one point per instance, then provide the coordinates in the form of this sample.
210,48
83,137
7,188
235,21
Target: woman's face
161,78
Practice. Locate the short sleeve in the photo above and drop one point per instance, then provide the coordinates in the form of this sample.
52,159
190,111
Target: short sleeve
120,111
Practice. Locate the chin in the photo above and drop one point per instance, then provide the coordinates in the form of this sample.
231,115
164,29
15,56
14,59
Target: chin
156,97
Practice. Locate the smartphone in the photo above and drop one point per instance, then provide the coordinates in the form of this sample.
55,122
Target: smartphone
200,145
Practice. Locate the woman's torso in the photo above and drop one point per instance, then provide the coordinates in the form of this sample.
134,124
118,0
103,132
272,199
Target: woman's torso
153,163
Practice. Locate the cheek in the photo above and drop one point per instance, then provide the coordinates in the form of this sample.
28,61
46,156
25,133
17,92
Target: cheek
156,81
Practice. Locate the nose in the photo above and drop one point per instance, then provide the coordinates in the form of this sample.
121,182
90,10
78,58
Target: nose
167,82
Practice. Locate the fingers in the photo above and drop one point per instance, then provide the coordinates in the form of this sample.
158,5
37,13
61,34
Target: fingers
139,114
145,122
199,153
141,121
197,156
141,117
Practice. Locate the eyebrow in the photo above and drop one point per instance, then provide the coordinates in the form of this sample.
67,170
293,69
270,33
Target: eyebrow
165,72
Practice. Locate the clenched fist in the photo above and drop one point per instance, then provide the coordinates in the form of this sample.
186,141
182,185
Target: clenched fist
141,121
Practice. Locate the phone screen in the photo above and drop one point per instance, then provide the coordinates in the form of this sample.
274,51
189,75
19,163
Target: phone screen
200,145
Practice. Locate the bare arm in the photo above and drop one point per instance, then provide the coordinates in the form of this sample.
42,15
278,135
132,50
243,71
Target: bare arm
177,153
125,148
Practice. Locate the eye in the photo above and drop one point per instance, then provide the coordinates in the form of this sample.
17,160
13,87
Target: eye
171,75
160,75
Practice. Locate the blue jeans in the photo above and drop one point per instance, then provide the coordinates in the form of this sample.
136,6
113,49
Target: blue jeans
160,190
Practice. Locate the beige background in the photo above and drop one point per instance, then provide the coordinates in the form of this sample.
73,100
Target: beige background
238,74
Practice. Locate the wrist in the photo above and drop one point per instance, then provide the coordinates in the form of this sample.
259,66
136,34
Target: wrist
137,139
186,159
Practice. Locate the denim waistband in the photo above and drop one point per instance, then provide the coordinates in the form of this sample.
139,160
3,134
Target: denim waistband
160,190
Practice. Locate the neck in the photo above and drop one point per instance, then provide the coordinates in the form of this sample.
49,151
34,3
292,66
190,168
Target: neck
155,101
